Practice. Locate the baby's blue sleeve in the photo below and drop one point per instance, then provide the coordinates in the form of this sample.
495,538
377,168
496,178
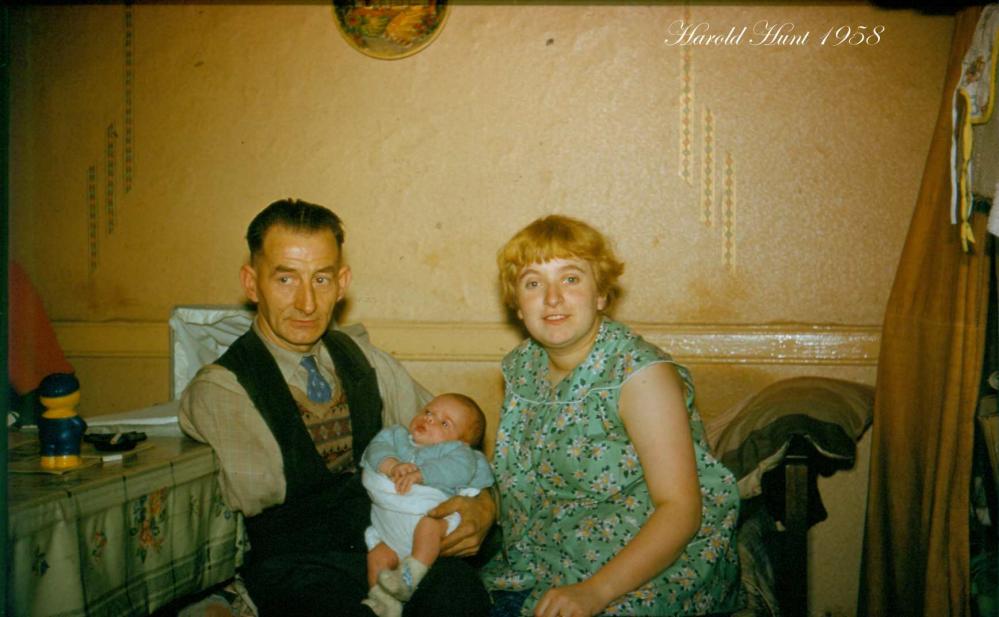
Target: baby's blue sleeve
384,445
483,472
449,466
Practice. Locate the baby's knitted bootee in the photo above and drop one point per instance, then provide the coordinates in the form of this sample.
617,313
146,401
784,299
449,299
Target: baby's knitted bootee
402,581
382,602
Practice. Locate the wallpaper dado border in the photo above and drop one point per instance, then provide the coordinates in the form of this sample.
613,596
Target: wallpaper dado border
487,342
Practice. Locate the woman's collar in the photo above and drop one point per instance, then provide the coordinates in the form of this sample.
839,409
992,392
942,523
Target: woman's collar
532,359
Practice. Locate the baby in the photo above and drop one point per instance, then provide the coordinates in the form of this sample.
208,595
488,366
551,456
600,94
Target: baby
407,473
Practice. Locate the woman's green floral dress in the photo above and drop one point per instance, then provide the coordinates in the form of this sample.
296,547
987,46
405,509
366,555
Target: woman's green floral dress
573,491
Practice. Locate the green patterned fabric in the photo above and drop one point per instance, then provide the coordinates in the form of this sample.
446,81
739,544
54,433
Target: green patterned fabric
573,490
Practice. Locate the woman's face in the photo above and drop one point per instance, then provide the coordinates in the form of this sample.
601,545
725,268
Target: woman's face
559,304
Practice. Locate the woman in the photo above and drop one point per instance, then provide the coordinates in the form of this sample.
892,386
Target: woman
610,502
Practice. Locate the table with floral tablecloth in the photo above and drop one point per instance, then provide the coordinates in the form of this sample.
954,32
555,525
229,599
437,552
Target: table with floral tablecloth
122,538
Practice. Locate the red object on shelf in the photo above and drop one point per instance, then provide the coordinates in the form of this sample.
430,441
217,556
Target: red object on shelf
33,350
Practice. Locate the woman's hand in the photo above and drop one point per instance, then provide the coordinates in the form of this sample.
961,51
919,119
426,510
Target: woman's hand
579,600
477,516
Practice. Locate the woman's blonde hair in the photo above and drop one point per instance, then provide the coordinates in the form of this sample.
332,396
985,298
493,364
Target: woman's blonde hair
558,237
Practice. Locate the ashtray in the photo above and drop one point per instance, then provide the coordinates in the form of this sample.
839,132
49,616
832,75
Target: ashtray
114,442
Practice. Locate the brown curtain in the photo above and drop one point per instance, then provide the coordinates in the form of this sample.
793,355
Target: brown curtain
916,555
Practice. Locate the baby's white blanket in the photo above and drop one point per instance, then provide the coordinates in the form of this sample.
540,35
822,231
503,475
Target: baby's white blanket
394,516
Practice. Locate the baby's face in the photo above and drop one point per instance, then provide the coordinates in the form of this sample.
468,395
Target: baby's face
443,419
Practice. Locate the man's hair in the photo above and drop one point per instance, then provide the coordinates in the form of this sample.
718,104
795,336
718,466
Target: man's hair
296,215
558,237
477,427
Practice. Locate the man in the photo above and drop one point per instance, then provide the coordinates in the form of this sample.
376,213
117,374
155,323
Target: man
289,409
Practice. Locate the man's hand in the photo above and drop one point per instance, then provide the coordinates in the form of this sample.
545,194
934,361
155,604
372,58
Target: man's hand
477,515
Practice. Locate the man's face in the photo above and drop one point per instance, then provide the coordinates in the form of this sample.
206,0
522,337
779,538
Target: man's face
296,280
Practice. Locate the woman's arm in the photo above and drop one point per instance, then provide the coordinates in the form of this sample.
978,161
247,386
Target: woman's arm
655,417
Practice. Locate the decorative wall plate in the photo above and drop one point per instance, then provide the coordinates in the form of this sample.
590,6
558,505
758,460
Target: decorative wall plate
389,30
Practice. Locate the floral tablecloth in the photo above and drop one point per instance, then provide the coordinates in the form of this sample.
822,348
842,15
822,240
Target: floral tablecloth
119,539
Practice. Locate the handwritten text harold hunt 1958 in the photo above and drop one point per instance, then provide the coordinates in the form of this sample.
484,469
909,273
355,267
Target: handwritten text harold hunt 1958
766,34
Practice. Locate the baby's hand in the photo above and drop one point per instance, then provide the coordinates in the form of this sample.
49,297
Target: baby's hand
400,469
387,465
405,475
